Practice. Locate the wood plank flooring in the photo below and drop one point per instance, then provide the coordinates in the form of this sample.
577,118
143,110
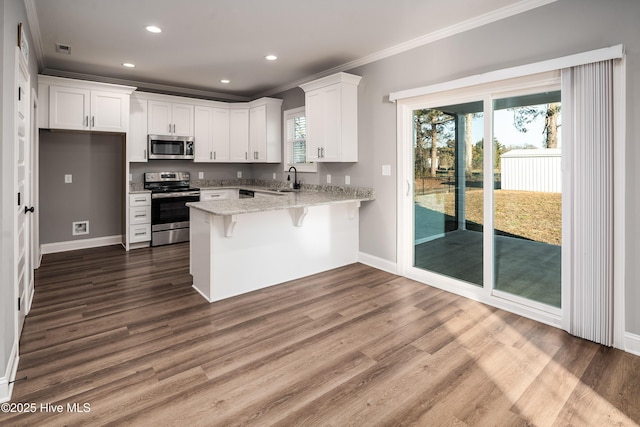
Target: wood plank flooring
126,334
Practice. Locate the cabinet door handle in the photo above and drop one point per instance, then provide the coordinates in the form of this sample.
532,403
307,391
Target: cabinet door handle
246,155
86,121
318,152
144,154
174,128
93,121
169,127
322,151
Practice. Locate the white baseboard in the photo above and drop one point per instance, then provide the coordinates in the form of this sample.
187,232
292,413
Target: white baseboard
379,263
6,384
632,343
72,245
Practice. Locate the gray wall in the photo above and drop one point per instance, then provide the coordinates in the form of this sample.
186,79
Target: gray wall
12,12
558,29
95,162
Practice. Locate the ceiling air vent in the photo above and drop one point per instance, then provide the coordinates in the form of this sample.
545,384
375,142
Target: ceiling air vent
63,48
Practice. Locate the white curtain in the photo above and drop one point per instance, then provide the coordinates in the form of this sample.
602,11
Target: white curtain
588,122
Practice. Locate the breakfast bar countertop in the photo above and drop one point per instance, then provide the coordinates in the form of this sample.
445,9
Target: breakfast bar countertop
278,199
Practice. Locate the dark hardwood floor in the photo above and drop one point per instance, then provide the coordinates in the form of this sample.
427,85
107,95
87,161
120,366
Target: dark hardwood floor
126,334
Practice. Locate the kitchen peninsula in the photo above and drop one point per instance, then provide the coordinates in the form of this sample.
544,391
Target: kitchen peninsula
242,245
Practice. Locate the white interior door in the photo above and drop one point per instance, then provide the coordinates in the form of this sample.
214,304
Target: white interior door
22,179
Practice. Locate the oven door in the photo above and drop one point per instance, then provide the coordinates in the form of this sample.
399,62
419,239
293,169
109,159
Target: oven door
169,210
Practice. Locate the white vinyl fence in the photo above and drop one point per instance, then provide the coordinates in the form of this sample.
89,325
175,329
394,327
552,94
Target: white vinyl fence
532,170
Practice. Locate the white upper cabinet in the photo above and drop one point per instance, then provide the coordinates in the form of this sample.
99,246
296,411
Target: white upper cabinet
220,140
265,140
211,129
137,137
239,134
202,128
68,107
331,108
170,118
81,105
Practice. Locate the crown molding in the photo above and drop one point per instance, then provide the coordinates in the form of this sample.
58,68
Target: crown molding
34,28
461,27
151,87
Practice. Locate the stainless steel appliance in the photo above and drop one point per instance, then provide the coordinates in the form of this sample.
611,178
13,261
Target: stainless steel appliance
170,147
170,191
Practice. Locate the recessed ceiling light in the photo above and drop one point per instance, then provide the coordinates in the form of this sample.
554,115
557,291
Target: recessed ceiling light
153,29
128,65
225,81
270,57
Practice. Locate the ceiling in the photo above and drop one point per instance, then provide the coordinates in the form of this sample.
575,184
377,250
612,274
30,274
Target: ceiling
204,41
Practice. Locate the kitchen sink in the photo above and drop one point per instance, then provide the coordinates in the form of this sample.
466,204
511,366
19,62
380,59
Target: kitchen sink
282,190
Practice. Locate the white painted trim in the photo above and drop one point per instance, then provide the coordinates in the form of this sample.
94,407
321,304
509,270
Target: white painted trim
613,52
632,343
461,27
301,168
377,262
34,28
619,202
72,245
6,386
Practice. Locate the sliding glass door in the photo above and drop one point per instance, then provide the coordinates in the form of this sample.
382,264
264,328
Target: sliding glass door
448,190
527,198
486,218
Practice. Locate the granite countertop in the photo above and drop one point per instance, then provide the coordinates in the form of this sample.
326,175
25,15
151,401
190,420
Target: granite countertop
277,202
281,200
308,195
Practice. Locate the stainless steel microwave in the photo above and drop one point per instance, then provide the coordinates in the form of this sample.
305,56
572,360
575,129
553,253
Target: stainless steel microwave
170,147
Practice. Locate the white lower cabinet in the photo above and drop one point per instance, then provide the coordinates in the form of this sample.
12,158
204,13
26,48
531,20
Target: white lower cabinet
230,193
139,217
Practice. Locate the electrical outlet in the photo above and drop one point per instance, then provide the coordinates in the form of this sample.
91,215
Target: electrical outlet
130,177
328,179
200,175
68,178
347,180
239,174
274,175
386,170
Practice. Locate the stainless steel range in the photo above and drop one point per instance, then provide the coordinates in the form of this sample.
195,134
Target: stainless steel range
170,191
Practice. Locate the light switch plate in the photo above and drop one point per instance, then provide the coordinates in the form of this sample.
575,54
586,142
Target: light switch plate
239,174
68,178
328,179
386,170
347,180
274,175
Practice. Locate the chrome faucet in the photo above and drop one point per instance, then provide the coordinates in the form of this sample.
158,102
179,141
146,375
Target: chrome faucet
296,184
